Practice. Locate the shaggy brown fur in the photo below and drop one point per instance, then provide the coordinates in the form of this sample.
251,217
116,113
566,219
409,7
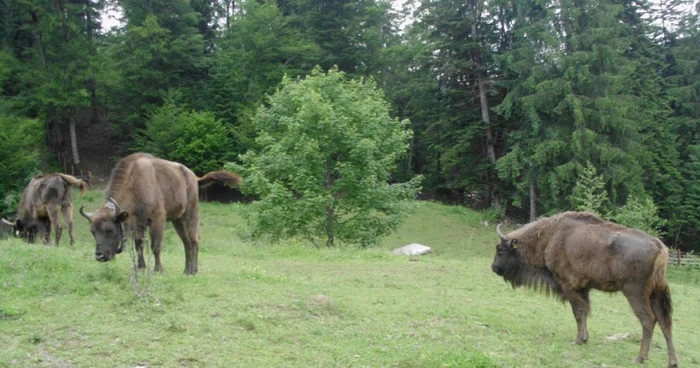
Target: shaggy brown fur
44,198
146,191
573,252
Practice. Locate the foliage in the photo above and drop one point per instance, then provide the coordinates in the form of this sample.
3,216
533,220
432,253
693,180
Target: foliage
196,139
20,145
612,83
327,151
640,213
589,194
160,49
258,49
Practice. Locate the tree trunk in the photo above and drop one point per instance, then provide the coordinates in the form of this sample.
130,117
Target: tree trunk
74,140
330,209
533,198
230,7
409,168
329,227
37,38
485,116
92,82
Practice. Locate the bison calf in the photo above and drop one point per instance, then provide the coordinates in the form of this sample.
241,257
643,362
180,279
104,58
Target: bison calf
573,252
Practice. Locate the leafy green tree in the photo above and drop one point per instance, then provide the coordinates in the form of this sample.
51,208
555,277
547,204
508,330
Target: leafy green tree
327,150
196,139
20,145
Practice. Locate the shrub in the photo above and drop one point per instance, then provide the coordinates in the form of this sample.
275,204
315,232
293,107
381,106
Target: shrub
196,139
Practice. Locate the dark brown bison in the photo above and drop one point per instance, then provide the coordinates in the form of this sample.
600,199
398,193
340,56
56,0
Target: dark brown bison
44,198
573,252
7,229
146,191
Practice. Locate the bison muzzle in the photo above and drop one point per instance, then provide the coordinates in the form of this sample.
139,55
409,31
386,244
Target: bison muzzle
573,252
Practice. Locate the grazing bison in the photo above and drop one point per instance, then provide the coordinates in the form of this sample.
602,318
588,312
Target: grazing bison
573,252
7,229
146,191
44,198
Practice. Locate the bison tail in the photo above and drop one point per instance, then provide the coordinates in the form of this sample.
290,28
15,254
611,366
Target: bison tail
663,296
72,180
660,291
224,177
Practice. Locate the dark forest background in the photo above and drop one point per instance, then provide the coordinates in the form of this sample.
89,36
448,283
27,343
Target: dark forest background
520,107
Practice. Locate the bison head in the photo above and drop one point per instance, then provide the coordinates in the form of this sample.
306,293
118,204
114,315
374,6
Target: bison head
107,226
27,229
16,227
507,260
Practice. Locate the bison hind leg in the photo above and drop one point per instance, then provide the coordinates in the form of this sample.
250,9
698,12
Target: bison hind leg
661,305
639,301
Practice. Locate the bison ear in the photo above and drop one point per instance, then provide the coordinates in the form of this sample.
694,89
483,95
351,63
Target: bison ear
122,216
514,243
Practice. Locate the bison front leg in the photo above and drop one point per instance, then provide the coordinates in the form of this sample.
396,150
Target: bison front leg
68,217
581,306
56,222
190,239
45,230
138,243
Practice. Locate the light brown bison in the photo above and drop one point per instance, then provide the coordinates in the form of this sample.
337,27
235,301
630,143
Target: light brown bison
44,198
573,252
146,191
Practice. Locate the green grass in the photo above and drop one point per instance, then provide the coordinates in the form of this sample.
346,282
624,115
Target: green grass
290,305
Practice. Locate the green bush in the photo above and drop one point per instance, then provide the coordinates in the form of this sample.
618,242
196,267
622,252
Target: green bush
20,148
196,139
640,213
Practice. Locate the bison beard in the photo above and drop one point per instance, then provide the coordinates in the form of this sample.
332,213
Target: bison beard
144,192
569,254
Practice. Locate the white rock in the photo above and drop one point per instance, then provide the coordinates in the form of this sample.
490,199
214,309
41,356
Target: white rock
414,249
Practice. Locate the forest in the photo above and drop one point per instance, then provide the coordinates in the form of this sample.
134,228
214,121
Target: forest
518,107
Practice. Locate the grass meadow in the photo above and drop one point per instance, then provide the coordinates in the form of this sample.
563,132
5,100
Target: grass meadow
290,305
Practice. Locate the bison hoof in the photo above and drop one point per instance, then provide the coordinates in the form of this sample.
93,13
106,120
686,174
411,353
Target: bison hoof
581,340
639,360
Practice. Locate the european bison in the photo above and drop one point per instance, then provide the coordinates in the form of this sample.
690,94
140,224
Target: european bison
573,252
7,229
143,191
44,198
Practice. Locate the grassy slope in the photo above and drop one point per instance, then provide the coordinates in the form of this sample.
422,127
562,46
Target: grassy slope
253,305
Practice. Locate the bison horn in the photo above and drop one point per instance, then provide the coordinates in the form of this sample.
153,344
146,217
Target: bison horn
13,224
87,215
500,234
